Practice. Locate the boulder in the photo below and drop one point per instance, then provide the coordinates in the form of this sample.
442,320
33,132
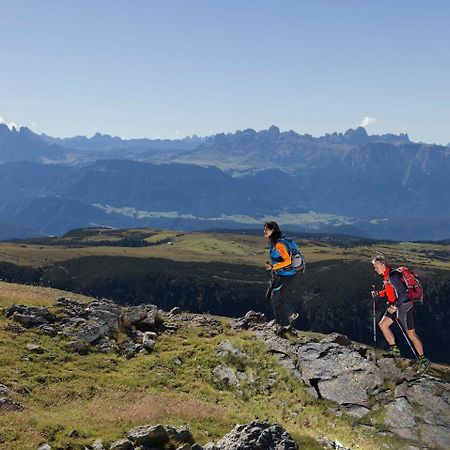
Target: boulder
149,435
29,316
122,444
180,434
257,435
226,347
149,340
225,375
142,316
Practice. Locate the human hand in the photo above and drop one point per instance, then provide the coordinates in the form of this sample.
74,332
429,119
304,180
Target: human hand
269,266
392,309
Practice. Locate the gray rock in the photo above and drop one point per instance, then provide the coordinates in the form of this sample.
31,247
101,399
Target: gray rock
405,433
357,410
432,400
170,327
106,345
130,349
226,347
210,446
122,444
180,434
399,414
149,435
337,338
257,435
78,346
142,315
104,312
47,329
225,375
90,332
149,340
250,319
44,446
175,311
400,390
29,316
7,404
435,436
34,348
338,373
98,445
5,391
389,369
327,443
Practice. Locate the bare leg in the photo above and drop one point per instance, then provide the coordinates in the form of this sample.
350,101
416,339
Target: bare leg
416,341
385,324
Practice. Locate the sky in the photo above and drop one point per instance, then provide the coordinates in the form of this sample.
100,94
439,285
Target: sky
174,68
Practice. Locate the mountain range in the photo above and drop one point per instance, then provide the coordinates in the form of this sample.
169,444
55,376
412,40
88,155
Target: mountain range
382,186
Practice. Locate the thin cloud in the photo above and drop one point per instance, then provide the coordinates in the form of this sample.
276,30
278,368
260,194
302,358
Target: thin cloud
9,124
367,121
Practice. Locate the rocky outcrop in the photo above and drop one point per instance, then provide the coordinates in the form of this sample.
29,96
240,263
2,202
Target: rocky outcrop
94,326
351,375
253,436
257,435
30,316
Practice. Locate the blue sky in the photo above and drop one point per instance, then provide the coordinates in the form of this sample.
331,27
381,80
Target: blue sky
176,68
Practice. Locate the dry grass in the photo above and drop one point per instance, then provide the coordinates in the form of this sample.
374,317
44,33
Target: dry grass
32,295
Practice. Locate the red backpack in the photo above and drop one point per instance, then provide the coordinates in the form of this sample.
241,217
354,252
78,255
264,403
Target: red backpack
415,289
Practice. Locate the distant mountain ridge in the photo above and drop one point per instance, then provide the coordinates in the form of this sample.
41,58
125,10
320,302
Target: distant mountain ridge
26,145
376,186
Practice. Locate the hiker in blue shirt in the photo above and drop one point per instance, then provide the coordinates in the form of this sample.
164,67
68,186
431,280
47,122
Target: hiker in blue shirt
282,276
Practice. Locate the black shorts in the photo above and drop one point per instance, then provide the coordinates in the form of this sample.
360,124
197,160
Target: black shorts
404,314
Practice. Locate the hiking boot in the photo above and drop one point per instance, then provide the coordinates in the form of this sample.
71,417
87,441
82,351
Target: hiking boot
424,364
393,352
293,317
281,330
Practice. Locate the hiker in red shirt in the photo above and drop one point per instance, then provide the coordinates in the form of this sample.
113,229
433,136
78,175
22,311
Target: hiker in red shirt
400,309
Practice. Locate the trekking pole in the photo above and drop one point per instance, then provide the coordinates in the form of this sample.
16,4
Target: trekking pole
374,316
270,292
406,337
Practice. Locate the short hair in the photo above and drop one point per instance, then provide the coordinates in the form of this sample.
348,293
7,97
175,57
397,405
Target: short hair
380,258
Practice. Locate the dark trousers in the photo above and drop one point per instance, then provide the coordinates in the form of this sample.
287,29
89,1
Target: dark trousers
277,294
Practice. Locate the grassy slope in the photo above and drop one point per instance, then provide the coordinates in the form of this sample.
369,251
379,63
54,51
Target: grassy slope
223,247
105,395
